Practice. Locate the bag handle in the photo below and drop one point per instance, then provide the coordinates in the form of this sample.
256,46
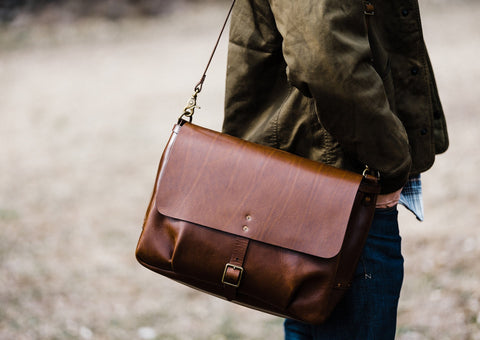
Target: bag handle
189,110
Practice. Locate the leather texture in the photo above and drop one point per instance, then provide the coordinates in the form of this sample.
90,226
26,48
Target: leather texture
255,225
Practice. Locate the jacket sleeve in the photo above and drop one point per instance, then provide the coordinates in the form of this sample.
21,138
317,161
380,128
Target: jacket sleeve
328,56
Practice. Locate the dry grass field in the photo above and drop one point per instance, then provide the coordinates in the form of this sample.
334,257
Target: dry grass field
85,109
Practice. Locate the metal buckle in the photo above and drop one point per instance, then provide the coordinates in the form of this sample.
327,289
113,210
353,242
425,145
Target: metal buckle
369,172
234,267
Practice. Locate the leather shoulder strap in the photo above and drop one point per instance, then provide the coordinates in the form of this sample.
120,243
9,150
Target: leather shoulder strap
204,75
189,109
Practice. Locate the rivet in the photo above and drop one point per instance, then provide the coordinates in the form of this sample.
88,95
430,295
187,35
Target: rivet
248,218
368,199
245,228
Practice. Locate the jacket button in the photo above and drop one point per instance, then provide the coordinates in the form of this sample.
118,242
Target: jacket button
414,70
424,131
405,12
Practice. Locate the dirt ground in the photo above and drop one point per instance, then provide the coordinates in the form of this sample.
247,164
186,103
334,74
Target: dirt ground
85,109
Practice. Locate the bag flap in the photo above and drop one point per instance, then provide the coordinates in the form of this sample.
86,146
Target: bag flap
253,191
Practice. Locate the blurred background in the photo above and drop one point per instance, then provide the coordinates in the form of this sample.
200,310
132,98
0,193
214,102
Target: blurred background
88,93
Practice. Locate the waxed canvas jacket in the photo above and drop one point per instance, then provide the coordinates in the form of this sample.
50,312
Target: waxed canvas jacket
336,81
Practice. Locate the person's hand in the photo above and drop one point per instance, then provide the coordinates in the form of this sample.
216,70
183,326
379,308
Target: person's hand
388,200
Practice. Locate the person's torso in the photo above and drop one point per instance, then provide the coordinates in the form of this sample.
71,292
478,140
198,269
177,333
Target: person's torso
263,107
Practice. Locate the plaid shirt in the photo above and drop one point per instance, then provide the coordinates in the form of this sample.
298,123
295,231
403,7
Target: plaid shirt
411,197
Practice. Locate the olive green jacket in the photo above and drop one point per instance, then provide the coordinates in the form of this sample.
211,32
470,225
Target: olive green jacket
323,80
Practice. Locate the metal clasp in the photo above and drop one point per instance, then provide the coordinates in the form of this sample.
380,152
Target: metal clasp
370,172
189,109
234,267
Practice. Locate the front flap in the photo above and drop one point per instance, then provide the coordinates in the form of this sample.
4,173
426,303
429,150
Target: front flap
253,191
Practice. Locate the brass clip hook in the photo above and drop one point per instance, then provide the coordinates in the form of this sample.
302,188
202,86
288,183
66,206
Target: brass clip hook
189,109
369,172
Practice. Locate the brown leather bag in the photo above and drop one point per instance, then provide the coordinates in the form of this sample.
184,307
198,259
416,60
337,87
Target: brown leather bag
255,225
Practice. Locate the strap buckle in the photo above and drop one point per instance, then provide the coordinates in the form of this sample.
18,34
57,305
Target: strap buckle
234,267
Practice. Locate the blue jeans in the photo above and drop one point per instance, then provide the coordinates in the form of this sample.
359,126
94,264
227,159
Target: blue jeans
369,309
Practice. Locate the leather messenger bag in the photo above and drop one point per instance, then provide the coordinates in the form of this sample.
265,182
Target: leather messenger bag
255,225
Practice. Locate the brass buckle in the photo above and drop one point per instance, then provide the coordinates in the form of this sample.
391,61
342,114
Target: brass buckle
234,267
